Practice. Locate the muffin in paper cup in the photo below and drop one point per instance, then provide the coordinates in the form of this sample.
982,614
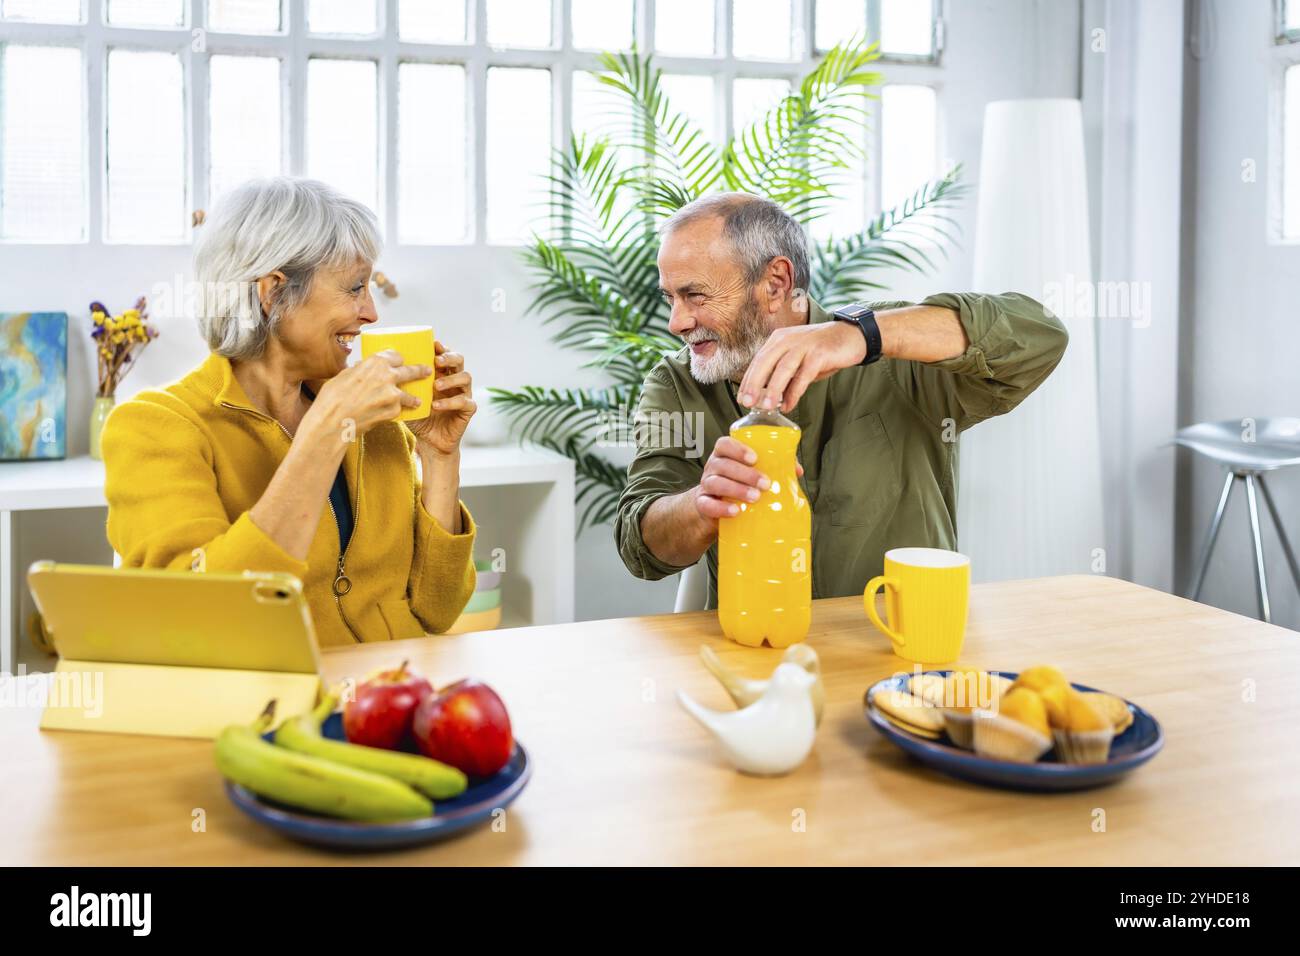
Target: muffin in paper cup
1083,746
964,691
960,727
1002,738
1082,731
1048,683
1018,731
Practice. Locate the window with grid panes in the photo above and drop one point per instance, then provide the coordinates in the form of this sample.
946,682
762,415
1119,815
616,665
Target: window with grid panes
442,114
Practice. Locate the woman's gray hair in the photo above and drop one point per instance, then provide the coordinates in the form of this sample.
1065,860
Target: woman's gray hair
282,224
759,231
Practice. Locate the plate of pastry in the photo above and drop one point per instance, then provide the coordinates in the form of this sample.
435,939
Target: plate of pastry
1033,730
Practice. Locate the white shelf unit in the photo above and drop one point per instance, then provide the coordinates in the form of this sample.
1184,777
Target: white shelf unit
521,499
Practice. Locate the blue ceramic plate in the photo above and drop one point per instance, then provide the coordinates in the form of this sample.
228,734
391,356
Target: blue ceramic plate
1134,747
450,817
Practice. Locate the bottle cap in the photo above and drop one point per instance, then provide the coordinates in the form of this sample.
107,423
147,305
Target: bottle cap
762,416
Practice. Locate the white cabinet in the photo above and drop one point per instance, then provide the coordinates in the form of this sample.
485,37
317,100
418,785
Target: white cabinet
521,499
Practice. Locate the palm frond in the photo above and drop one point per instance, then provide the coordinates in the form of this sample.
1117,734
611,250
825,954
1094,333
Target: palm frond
788,154
907,237
579,415
565,293
629,355
676,149
601,229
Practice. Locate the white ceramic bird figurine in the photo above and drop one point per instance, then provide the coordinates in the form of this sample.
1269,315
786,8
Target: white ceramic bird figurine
771,736
744,690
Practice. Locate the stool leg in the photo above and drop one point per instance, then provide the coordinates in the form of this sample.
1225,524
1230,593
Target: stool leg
1281,532
1213,533
1261,580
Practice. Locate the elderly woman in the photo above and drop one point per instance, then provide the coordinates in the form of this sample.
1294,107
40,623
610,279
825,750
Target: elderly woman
274,455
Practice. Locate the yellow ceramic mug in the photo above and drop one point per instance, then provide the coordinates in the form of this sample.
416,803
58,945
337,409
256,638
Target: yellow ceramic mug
926,595
414,343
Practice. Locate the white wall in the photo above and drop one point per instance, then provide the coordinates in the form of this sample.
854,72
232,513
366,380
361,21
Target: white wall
996,49
1243,336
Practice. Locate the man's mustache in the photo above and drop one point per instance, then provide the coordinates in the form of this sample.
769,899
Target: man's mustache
700,335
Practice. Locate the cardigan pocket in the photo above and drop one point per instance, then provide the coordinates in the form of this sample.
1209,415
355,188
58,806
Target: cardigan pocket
402,623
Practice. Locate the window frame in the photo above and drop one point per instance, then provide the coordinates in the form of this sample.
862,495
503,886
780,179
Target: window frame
933,58
100,175
876,132
293,46
1283,56
87,146
1280,32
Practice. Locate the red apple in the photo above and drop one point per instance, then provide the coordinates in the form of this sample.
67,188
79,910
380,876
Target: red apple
381,713
465,725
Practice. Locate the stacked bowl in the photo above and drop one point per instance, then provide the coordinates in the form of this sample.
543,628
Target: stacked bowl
483,612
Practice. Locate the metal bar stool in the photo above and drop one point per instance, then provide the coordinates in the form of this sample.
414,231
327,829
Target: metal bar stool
1276,445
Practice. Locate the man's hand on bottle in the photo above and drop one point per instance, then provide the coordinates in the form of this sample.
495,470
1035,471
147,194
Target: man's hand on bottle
730,477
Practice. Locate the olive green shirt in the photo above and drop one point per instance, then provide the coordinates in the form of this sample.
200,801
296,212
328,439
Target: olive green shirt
879,443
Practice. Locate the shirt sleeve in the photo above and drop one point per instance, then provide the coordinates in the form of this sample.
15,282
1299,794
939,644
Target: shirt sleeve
442,575
164,510
1015,343
655,471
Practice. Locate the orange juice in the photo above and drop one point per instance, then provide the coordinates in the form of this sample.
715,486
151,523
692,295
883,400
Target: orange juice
414,343
765,551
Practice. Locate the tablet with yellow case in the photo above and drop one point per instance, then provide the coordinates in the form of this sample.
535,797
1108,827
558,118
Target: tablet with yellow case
173,653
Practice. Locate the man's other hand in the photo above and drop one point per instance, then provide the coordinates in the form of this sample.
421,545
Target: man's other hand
796,356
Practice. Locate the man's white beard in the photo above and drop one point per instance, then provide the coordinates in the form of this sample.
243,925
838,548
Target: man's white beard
730,359
724,363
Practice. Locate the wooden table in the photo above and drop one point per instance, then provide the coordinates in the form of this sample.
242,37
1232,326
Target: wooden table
622,775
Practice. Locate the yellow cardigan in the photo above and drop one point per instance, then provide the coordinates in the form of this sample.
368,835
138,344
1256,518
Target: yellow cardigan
186,463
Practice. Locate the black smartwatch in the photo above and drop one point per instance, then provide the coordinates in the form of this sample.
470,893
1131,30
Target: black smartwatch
865,319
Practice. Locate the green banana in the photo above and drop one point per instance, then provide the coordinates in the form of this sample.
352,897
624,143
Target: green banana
310,783
302,734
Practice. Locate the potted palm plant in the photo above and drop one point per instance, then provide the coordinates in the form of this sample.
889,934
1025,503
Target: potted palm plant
596,277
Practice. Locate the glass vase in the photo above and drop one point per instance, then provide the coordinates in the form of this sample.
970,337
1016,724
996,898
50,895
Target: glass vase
99,415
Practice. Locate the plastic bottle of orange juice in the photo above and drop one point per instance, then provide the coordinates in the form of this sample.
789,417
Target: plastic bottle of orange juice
765,551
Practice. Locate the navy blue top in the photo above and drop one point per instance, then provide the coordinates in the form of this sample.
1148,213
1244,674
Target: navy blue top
340,499
342,509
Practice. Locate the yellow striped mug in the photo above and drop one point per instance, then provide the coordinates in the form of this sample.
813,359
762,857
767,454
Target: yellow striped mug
927,591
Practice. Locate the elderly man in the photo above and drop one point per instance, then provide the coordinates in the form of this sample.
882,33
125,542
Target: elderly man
880,394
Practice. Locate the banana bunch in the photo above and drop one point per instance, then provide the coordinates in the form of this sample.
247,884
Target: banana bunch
305,770
430,777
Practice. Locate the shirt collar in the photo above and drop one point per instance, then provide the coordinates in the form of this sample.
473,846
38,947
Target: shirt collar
816,313
217,379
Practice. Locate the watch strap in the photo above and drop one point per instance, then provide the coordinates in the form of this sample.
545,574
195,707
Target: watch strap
864,317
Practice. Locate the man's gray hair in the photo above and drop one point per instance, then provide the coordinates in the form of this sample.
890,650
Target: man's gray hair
759,231
281,224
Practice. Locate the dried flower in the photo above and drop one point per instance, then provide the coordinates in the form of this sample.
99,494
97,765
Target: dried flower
119,342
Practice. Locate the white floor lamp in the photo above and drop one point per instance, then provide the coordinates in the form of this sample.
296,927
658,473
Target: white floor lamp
1030,499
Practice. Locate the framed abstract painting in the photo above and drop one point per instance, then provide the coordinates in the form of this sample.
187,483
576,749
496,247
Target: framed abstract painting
33,385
